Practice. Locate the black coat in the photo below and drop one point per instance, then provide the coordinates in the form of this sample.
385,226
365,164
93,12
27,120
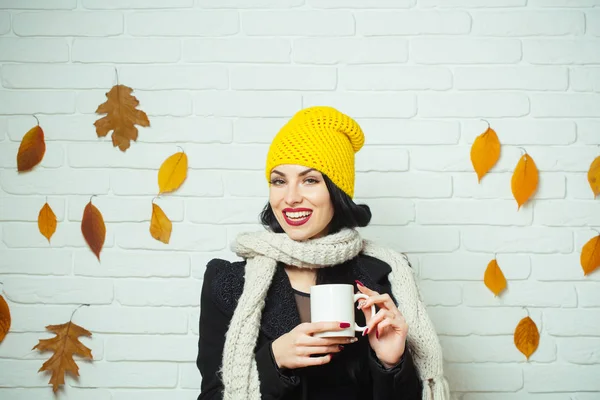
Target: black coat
354,373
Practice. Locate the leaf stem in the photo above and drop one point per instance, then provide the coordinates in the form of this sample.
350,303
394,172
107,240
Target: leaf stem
183,151
481,119
81,305
94,195
36,118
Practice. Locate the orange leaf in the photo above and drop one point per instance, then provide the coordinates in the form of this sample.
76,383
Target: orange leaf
47,221
160,225
594,176
121,117
32,149
485,152
4,318
93,228
172,172
527,337
64,345
524,181
590,255
494,278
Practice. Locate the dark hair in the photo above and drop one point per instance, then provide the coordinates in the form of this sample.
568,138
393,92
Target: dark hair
346,213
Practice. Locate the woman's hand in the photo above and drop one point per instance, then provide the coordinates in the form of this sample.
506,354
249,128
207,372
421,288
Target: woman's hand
387,329
294,349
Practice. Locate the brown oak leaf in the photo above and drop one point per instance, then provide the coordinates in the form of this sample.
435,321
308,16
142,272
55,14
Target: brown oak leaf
64,345
121,117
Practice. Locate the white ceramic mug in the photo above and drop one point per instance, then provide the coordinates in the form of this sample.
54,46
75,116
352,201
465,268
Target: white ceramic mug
335,302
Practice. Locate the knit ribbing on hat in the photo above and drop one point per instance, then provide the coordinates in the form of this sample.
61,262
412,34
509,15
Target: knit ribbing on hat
321,138
263,250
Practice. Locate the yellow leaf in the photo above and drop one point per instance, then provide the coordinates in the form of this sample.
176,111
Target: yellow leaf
590,255
524,181
64,345
121,117
32,149
594,176
494,278
527,337
160,225
485,152
93,228
4,318
172,173
47,221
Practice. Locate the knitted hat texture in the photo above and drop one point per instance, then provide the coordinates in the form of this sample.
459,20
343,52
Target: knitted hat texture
322,138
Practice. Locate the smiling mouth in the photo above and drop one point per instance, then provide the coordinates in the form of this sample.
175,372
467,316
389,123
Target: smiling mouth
297,218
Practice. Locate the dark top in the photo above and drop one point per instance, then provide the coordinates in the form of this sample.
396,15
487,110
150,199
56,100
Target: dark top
354,373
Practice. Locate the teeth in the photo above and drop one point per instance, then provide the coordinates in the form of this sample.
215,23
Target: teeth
300,214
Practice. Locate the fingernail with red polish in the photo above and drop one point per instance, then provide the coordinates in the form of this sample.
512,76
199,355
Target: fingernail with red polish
376,333
344,325
359,283
366,332
341,347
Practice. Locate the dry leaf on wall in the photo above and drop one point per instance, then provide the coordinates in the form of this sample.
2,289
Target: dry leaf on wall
590,255
4,318
121,117
485,152
93,228
32,149
64,345
525,179
172,172
494,278
527,337
594,176
47,221
160,225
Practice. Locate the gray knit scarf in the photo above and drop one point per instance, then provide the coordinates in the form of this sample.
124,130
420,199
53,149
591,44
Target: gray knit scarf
263,250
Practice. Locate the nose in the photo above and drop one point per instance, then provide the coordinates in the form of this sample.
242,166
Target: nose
293,195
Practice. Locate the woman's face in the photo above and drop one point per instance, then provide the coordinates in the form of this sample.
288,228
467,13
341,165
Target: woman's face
300,201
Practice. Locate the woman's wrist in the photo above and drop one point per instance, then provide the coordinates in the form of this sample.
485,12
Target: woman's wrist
390,365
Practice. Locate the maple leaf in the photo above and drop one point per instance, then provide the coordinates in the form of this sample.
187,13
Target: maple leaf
121,117
64,345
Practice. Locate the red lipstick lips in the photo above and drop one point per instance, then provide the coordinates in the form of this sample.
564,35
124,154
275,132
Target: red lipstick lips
296,221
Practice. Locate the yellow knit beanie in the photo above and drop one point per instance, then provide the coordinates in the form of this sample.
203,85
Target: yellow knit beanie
321,138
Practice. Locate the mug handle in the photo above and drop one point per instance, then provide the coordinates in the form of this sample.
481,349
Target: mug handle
373,311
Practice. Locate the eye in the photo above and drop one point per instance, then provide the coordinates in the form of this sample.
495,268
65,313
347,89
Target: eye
277,181
311,181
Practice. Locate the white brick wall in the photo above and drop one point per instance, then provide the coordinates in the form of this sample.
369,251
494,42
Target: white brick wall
218,78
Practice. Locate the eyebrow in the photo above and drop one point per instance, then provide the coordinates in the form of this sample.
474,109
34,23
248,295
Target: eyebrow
300,174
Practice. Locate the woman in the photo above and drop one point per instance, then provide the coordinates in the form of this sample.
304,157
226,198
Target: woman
256,338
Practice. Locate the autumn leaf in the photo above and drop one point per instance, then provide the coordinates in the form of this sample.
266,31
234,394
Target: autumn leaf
32,149
160,225
527,337
172,172
64,345
594,176
485,152
93,228
524,181
47,221
590,255
121,117
4,318
494,278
